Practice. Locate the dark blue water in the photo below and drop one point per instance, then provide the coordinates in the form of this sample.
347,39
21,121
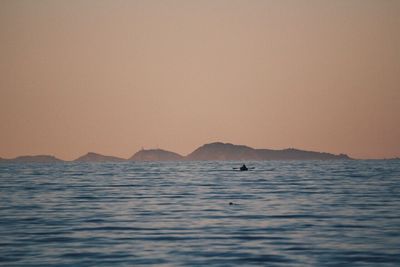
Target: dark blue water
294,213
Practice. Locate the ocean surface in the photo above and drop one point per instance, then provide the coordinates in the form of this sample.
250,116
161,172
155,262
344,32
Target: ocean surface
283,213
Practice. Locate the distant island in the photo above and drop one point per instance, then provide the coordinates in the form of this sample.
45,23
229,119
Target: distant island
226,151
33,159
156,155
94,157
208,152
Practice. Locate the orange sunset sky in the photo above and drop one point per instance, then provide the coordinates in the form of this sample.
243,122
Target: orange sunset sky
114,76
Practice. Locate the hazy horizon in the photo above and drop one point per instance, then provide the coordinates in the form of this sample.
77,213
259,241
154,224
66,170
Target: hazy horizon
112,77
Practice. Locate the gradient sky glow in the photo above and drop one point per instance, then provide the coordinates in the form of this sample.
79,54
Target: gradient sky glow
115,76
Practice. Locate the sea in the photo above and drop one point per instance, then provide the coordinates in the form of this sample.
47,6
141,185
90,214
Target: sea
279,213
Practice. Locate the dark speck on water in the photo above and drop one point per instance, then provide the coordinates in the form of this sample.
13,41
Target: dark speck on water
291,213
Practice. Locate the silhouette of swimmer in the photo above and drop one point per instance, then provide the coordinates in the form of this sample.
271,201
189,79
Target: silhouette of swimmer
244,168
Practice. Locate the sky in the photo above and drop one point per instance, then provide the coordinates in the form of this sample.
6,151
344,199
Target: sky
116,76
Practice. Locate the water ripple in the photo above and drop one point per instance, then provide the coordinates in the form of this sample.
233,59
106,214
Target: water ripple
295,213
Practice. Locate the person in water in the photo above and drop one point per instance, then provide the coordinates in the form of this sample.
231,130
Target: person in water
244,168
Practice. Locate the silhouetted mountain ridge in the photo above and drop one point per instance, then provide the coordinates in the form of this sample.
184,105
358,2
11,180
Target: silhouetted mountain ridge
155,155
210,152
95,157
227,151
33,159
222,151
